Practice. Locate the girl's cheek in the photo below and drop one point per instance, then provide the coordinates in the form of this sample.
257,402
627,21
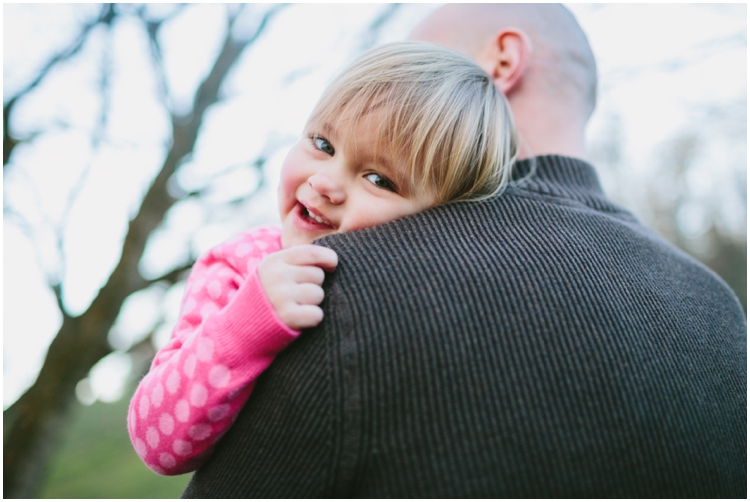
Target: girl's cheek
285,184
291,178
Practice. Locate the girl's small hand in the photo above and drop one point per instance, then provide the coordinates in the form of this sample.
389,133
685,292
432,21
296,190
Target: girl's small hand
292,280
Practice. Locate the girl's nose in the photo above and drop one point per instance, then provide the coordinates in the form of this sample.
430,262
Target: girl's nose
327,186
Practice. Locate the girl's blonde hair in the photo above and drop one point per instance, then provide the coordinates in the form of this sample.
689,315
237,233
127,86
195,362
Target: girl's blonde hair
443,117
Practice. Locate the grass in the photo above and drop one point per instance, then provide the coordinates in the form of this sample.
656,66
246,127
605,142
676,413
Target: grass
96,460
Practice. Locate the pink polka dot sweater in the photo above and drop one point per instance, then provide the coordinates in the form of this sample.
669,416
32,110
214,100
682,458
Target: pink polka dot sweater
227,334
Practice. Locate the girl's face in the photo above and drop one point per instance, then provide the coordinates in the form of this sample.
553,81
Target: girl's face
327,187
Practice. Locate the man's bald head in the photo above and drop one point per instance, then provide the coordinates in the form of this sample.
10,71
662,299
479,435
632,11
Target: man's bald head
561,62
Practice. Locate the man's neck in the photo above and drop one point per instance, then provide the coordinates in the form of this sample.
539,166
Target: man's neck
548,130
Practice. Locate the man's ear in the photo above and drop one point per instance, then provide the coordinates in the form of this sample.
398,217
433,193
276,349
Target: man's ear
505,58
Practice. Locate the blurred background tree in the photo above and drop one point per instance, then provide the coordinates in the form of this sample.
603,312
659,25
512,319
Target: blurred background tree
138,136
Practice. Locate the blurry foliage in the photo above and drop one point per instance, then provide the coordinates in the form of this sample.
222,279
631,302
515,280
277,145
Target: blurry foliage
698,224
96,460
696,194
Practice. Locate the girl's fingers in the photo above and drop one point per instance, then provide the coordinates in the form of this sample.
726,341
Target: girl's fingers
308,274
308,294
306,316
311,254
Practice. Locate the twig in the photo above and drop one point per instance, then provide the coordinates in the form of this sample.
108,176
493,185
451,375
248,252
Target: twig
9,142
152,28
172,276
372,34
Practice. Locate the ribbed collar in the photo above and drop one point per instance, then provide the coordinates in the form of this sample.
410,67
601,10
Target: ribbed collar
561,176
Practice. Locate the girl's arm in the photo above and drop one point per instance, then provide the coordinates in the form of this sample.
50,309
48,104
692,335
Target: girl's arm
226,335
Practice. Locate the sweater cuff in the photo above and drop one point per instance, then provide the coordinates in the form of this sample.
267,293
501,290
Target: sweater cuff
248,332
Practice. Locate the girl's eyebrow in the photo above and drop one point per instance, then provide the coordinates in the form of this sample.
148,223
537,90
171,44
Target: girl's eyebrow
384,164
325,128
397,176
329,130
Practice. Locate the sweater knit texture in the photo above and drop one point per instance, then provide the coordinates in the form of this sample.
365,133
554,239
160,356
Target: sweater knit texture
226,335
540,344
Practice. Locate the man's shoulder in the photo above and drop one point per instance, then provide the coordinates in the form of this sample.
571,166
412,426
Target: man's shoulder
514,246
480,336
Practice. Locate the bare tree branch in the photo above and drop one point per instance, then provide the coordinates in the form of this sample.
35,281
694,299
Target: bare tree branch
173,275
58,228
81,342
106,16
27,229
57,290
96,140
371,36
152,28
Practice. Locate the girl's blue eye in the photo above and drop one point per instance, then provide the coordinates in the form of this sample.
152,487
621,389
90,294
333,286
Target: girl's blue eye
380,182
323,145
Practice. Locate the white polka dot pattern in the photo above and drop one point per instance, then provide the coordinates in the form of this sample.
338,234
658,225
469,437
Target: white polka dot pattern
143,407
224,272
197,384
157,395
219,376
140,447
173,382
152,437
200,432
218,412
242,250
198,395
189,306
208,309
182,410
190,365
166,424
182,447
167,460
198,285
215,289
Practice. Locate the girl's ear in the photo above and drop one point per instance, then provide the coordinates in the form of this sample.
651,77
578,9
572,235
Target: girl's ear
505,58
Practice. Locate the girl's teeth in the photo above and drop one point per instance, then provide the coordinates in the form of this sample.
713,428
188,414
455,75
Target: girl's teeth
315,217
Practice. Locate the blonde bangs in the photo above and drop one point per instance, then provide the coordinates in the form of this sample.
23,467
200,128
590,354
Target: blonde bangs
445,125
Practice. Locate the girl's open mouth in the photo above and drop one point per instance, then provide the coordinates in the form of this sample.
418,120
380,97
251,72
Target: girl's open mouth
312,217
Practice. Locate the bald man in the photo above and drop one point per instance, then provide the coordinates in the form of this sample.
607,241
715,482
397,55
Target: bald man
538,344
538,57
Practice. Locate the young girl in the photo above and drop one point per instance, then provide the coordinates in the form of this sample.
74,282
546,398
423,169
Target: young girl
406,127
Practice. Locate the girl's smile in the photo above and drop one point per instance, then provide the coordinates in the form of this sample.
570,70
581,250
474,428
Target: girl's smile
308,219
328,186
308,213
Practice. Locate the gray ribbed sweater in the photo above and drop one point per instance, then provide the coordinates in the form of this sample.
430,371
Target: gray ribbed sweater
540,344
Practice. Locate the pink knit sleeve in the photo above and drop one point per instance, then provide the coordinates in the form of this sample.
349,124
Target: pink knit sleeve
227,334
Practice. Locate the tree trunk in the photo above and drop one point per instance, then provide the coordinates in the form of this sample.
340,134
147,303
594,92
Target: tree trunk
35,421
40,414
